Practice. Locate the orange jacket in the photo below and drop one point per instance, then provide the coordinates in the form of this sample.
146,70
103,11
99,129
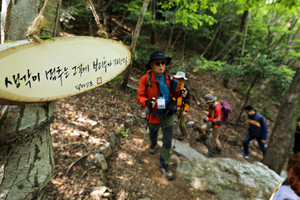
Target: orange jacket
185,106
152,91
214,114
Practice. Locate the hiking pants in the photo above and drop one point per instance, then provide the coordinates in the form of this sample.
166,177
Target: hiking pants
247,140
296,147
181,123
215,133
166,124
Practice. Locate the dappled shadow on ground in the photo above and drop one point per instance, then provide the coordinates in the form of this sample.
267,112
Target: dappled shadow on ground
82,125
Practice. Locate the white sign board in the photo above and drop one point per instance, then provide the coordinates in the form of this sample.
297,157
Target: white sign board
58,67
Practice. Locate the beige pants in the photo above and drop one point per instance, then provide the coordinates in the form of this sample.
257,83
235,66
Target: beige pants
215,133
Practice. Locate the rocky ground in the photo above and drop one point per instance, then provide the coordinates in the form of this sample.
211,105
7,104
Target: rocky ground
85,123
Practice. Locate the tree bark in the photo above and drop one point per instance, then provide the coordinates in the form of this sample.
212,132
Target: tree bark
26,155
134,41
247,98
280,143
240,29
152,37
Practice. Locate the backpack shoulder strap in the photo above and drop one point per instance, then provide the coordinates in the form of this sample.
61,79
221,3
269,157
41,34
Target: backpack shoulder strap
149,81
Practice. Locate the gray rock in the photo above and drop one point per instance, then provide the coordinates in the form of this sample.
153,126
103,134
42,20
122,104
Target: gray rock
120,129
143,115
102,161
112,139
230,179
175,158
185,150
129,123
231,138
190,124
202,149
106,150
98,192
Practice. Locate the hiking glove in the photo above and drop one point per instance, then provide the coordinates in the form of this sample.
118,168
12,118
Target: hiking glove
183,91
149,103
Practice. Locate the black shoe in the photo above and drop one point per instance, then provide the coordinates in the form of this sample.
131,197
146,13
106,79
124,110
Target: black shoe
201,138
166,171
152,149
182,138
216,151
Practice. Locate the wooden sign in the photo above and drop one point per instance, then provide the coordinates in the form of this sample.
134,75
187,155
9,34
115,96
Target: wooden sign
58,67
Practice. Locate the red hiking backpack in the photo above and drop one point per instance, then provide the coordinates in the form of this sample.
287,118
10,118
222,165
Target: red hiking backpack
226,111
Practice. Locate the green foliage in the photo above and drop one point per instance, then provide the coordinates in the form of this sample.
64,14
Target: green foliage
108,90
124,133
116,80
9,41
142,51
191,11
92,109
199,62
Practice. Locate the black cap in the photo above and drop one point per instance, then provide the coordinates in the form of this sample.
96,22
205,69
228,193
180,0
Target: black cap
158,55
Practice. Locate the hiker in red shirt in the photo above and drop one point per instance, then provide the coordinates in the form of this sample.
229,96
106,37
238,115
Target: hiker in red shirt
156,92
214,115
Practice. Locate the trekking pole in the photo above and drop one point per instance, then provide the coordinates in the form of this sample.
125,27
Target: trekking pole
179,120
139,158
211,155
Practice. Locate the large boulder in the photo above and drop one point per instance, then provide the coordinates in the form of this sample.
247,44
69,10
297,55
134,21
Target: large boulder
230,179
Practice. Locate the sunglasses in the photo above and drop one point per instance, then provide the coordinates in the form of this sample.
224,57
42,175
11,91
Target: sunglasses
158,63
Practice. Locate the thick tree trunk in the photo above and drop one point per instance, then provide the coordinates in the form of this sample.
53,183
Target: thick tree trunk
280,144
26,155
134,41
240,30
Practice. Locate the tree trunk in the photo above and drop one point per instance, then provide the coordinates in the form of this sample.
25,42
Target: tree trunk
247,98
170,38
134,41
240,29
153,23
280,143
26,155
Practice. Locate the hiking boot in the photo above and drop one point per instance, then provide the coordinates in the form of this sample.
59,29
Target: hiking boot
152,149
216,151
182,137
201,138
243,155
166,171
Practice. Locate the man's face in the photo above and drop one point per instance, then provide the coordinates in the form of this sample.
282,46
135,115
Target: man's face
180,80
298,123
250,112
210,103
159,66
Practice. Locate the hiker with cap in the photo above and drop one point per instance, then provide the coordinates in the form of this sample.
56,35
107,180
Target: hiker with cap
214,115
257,130
183,104
156,89
296,147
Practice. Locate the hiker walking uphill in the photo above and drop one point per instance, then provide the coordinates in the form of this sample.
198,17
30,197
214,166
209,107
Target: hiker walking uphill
257,129
296,147
214,116
183,104
156,89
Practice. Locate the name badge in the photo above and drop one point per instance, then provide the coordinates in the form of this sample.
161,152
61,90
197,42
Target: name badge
161,103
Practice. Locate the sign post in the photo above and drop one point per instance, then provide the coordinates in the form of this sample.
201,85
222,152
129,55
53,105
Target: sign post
58,68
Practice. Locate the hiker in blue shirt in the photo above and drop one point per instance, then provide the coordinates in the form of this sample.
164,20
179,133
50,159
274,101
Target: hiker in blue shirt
257,129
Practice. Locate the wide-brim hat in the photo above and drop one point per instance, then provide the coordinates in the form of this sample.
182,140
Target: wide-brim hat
156,56
180,74
209,98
